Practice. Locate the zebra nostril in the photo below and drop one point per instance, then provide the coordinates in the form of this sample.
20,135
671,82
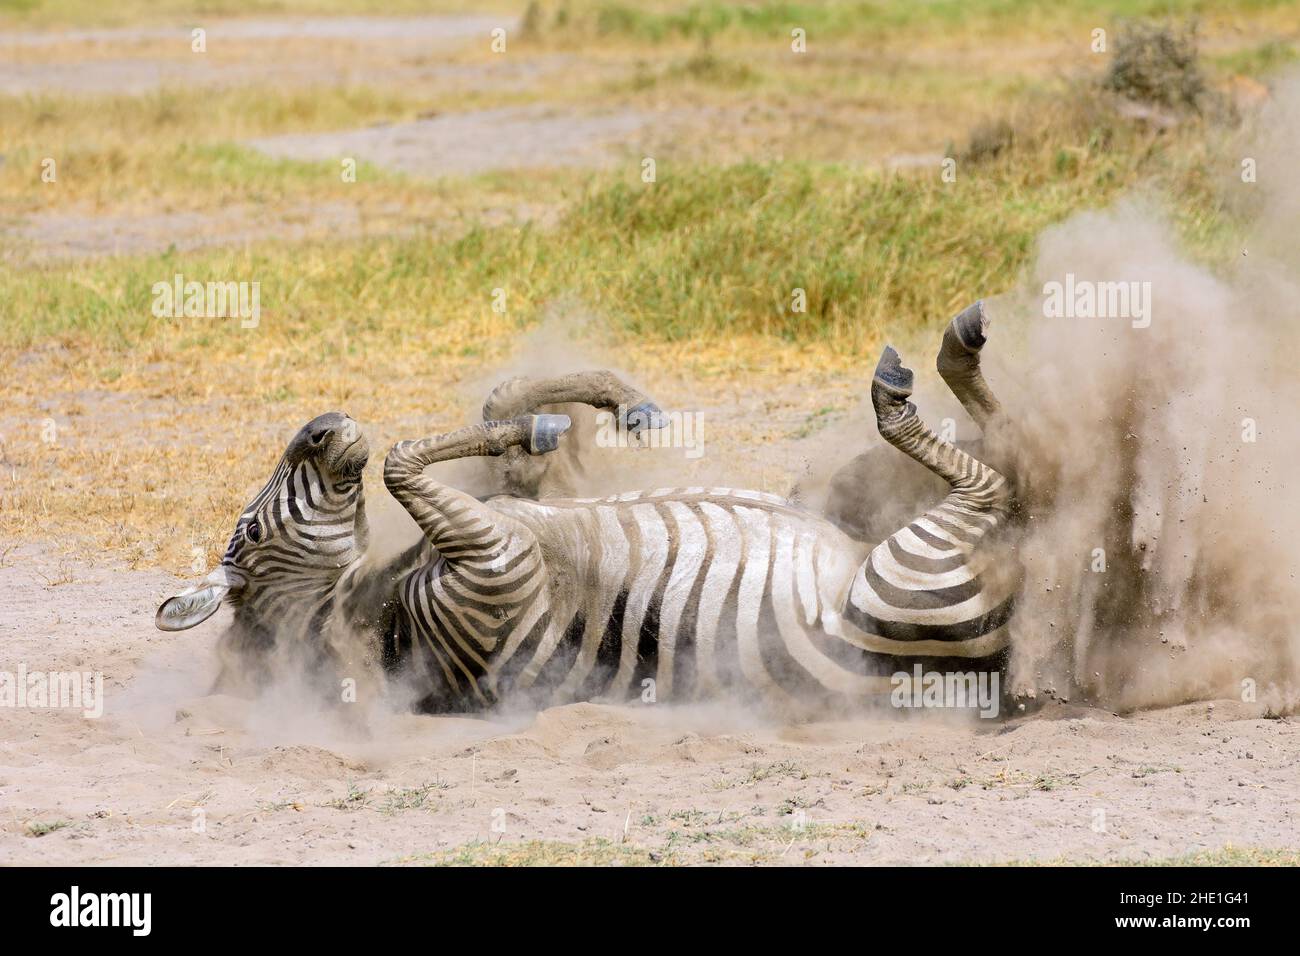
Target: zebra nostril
319,436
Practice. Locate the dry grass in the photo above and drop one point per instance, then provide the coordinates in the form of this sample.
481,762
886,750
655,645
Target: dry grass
860,94
153,477
63,14
1227,855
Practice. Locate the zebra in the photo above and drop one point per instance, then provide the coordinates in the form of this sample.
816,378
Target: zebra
693,592
295,569
295,545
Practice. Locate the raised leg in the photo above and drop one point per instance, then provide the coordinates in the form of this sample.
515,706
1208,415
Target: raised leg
488,579
851,500
959,364
934,588
974,485
525,476
599,389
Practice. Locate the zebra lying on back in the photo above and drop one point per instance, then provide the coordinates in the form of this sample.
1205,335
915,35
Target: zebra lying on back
558,599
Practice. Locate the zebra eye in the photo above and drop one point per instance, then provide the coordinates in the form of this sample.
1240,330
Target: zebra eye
253,532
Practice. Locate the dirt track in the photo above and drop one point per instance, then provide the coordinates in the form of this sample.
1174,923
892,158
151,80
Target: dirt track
279,783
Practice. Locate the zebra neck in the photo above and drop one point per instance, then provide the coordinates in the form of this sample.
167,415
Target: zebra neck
300,612
367,590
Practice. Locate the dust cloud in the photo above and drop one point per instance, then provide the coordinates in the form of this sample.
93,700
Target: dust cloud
1160,538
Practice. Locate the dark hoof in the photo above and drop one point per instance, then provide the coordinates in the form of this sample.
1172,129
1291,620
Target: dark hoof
645,416
545,434
891,375
971,326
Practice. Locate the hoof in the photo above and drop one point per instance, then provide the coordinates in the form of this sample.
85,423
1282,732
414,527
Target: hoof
544,436
892,376
645,416
971,327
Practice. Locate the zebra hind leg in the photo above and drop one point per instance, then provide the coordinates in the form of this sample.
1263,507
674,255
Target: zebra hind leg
975,486
939,589
959,364
891,387
564,474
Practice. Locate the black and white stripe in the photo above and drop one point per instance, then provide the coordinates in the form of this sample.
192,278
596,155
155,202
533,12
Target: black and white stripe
286,568
702,588
698,589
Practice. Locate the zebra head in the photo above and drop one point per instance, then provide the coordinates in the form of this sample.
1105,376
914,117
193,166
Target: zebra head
294,539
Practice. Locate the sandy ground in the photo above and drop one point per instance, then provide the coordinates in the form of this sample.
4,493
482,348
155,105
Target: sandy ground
85,233
69,235
171,774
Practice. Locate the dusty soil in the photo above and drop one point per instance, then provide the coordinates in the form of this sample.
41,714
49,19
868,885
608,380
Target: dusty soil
479,141
171,774
70,235
67,235
304,51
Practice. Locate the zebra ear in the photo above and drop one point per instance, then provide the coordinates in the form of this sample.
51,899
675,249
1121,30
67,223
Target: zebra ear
184,610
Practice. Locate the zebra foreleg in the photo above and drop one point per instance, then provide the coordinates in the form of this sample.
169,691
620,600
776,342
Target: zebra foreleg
599,389
435,506
487,588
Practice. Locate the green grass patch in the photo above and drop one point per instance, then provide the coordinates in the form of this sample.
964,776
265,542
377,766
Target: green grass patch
701,254
570,22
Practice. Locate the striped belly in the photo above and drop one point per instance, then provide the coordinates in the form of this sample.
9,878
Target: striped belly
686,592
934,588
